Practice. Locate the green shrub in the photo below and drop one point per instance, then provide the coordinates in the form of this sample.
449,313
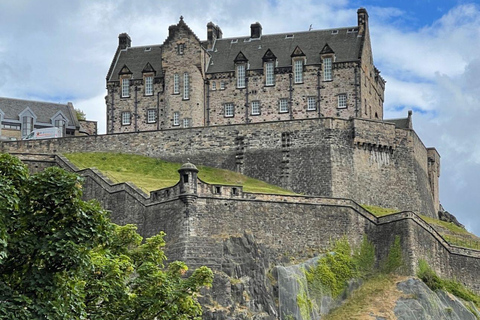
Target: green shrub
394,262
428,276
364,258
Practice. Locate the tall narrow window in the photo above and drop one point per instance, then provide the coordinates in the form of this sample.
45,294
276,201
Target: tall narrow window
148,86
214,85
125,87
186,86
269,76
126,118
229,110
255,108
27,125
327,69
176,118
283,105
241,75
186,123
342,101
176,84
151,115
222,85
298,70
311,103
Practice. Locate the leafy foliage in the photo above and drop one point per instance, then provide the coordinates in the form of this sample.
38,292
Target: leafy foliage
80,114
61,257
394,262
434,282
364,258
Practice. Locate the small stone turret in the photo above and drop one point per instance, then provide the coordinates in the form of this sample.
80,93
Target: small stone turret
362,17
188,182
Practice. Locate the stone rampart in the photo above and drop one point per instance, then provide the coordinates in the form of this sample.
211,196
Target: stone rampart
289,226
371,162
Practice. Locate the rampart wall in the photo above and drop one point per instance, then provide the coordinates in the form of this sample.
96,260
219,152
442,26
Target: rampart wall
371,162
289,226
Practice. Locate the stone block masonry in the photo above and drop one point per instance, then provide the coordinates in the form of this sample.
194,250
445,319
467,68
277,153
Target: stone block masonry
371,162
197,217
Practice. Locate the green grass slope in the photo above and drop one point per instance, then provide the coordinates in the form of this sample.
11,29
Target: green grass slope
152,173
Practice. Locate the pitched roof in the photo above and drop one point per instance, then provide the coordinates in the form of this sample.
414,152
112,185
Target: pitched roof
44,111
345,42
135,59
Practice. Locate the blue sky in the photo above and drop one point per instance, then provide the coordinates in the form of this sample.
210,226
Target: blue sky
427,50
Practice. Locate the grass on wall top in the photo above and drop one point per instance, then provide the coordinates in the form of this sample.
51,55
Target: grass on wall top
152,173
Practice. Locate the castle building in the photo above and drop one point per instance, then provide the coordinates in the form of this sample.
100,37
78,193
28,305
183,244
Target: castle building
186,82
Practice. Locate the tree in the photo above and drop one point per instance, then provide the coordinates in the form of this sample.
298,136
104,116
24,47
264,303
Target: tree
80,114
62,258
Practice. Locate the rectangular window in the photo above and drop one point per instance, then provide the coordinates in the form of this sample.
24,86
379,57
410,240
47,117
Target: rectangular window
298,70
126,118
151,116
27,125
311,103
214,86
240,76
327,69
186,123
222,85
125,87
342,101
186,87
176,84
180,48
148,86
283,103
255,108
229,110
176,118
269,75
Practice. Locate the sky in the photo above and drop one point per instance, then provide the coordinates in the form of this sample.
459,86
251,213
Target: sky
428,51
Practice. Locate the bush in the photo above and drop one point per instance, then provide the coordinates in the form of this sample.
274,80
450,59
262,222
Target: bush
394,262
428,276
364,258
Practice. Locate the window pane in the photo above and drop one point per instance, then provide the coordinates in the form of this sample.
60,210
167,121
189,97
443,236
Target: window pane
311,103
176,118
255,107
229,110
327,69
298,71
241,76
176,88
186,88
342,101
269,76
283,105
151,116
125,87
148,86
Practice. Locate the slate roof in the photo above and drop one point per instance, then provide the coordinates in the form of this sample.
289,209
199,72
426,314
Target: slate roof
136,58
43,110
345,44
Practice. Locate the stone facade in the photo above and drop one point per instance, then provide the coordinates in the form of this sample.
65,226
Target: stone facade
186,82
371,162
199,217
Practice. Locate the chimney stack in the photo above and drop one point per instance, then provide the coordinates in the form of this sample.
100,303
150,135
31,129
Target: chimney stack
124,41
213,32
362,16
255,30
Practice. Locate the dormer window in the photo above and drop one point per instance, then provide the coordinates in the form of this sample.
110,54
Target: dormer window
125,87
269,74
27,125
240,69
149,85
298,70
327,69
241,75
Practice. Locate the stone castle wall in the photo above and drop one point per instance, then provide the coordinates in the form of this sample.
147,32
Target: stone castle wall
371,162
289,226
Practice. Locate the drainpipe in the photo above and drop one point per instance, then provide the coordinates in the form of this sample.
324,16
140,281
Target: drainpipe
136,109
318,93
112,112
356,90
246,100
207,103
290,76
158,110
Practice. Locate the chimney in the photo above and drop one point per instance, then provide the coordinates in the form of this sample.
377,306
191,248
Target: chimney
124,41
362,17
213,32
255,30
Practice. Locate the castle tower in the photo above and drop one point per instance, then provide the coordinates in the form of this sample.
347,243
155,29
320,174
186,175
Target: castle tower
188,182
